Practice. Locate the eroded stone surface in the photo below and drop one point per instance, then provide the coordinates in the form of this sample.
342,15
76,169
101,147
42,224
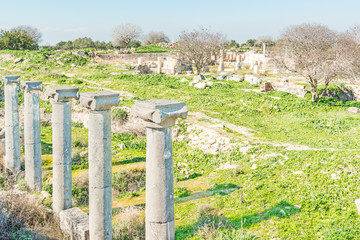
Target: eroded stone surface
100,100
75,224
160,111
63,93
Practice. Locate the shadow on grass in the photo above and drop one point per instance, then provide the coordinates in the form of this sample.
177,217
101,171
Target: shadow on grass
223,189
281,210
128,161
192,176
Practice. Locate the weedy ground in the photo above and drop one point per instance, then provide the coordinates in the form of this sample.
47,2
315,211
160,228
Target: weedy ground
297,178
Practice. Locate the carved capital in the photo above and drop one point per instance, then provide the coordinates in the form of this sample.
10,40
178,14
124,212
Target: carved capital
159,113
59,94
32,86
100,100
11,79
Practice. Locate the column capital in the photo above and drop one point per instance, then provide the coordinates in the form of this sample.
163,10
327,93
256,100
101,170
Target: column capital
64,93
159,113
100,100
29,86
11,79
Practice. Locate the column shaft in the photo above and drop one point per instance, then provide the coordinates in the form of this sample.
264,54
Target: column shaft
159,210
12,134
62,191
100,187
32,133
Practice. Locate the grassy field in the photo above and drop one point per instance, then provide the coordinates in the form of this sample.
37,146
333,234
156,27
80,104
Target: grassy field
296,176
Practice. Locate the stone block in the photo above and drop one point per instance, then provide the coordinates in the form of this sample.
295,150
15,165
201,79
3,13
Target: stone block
354,109
75,224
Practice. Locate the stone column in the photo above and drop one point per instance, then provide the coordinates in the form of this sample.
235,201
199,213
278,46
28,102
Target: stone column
32,134
100,162
221,61
256,69
61,122
264,48
159,65
140,61
237,64
12,133
159,116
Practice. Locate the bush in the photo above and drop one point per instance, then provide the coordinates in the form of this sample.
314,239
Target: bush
131,225
119,114
129,181
26,210
80,191
181,192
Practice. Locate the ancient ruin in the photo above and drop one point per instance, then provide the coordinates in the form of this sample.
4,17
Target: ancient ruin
159,116
61,120
100,189
12,140
32,134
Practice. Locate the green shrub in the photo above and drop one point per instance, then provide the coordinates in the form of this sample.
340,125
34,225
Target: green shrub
80,194
119,114
129,181
48,188
181,192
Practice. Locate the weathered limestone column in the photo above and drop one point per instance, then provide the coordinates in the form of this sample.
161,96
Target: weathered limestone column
264,48
140,61
256,69
159,116
221,61
237,64
12,132
100,162
61,122
32,134
159,65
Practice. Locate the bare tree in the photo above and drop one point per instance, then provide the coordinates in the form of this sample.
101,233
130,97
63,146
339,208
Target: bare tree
125,33
196,47
33,32
154,38
349,53
311,51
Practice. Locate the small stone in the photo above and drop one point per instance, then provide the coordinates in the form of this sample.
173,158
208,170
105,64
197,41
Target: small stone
222,77
199,77
201,85
297,206
45,194
184,80
283,212
253,166
357,203
122,146
18,60
209,83
353,109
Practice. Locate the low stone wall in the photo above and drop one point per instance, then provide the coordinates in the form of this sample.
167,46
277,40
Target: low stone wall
132,57
298,90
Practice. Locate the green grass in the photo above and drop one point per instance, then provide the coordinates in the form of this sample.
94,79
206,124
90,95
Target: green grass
300,194
152,48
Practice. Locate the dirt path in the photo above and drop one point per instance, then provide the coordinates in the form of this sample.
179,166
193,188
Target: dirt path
98,86
246,134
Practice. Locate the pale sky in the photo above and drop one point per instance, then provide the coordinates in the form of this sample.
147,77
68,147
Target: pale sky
237,19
